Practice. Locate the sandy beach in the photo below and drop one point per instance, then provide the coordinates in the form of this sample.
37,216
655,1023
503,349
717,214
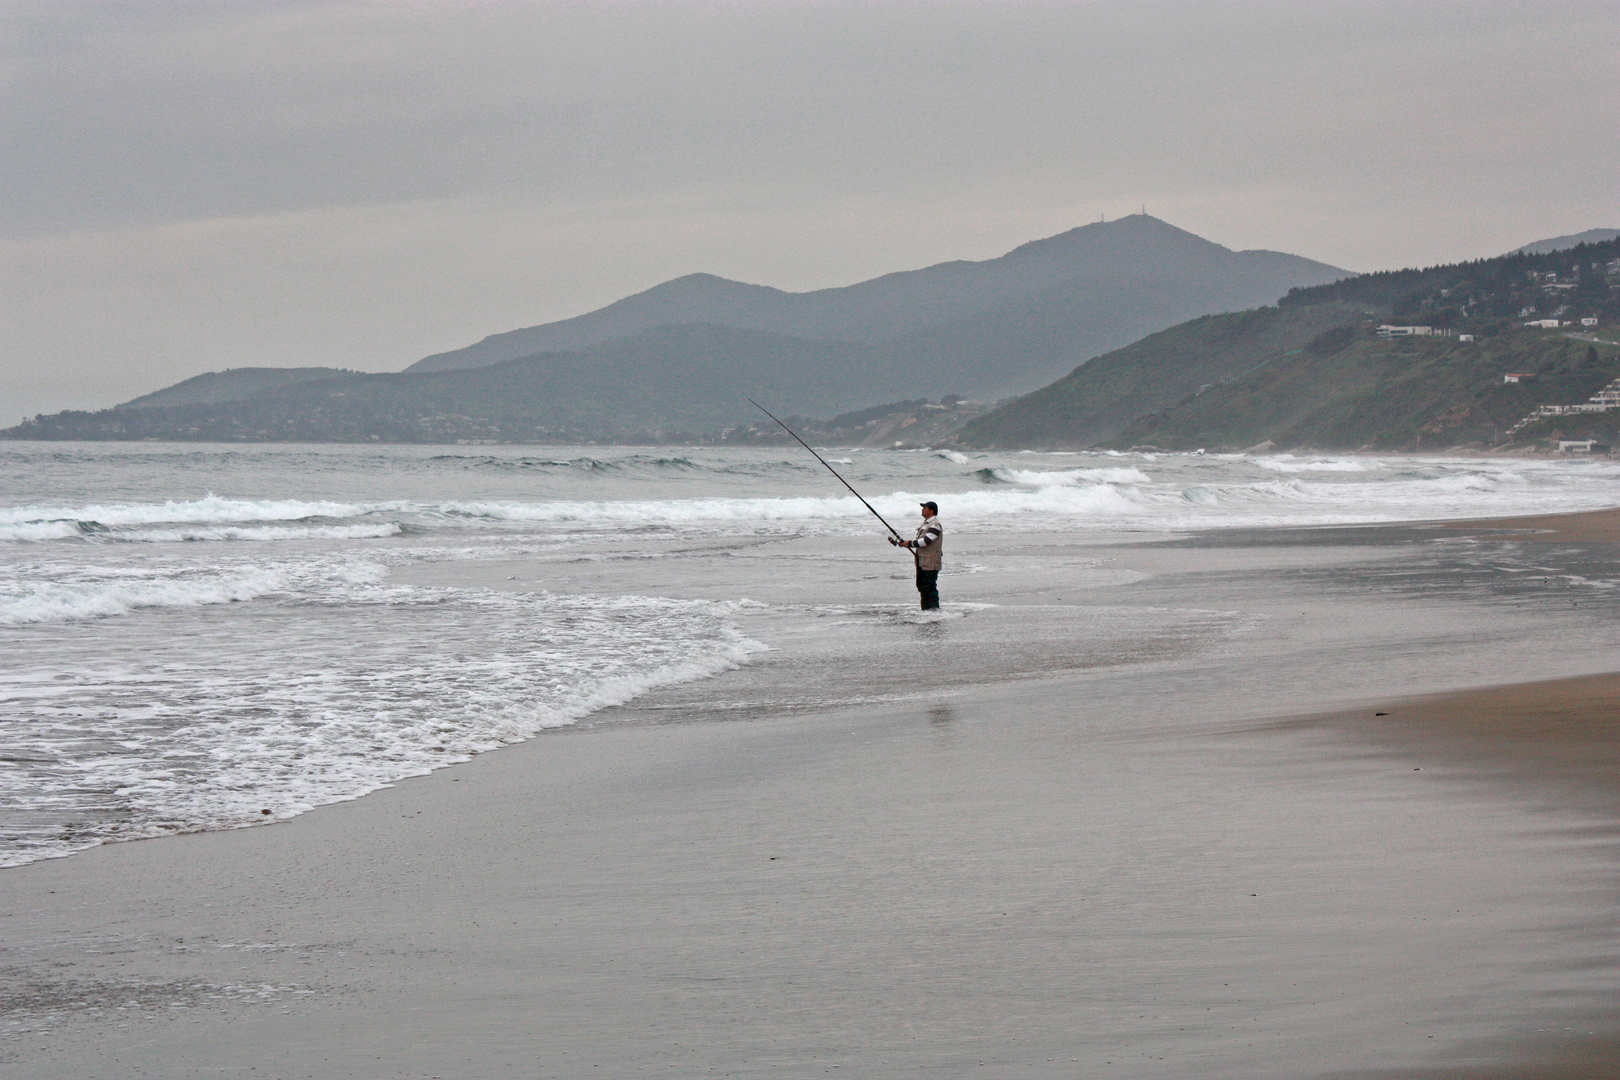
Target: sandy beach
1359,820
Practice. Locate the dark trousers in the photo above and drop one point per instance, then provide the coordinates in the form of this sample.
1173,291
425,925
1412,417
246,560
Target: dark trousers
928,588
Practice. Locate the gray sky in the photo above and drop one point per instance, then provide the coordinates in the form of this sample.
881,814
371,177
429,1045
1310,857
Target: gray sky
194,186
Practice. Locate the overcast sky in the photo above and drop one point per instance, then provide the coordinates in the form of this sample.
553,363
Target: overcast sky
194,186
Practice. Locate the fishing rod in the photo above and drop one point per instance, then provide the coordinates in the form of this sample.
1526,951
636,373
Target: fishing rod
830,469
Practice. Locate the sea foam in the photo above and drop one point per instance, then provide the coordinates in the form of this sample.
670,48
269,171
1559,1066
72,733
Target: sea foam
213,508
62,601
1071,477
188,739
1289,464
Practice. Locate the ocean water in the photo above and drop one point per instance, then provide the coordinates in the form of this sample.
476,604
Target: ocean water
204,637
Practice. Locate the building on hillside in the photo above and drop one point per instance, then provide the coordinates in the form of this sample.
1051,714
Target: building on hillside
1571,410
1387,331
1588,321
1465,337
1602,401
1518,376
1545,324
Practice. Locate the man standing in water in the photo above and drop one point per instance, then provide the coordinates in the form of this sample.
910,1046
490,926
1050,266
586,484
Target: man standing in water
927,549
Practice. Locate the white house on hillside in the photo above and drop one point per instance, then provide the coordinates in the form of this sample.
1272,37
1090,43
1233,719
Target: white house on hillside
1387,331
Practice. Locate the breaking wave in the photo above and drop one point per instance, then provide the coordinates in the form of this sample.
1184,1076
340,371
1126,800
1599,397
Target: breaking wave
199,511
1289,464
264,532
69,600
1067,477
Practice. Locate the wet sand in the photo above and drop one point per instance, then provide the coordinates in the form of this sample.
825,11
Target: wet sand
1556,741
1557,734
1598,526
1138,860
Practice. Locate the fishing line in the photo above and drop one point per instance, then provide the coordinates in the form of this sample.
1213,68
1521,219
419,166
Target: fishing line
830,469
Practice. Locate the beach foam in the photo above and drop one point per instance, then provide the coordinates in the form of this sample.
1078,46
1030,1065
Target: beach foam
1287,463
1071,477
177,740
62,601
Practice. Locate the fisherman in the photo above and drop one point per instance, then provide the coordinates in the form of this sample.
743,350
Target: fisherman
930,542
927,549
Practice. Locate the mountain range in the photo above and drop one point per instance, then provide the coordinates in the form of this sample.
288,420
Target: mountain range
989,328
677,362
681,359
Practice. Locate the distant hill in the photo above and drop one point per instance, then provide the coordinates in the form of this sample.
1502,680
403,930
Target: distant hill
670,383
1563,243
1312,372
1110,280
671,380
232,384
683,357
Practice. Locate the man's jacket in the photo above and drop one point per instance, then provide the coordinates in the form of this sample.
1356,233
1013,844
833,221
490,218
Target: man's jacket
930,544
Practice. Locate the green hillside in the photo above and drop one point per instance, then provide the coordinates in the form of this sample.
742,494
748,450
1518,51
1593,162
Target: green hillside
1487,295
1312,371
1545,434
1401,394
1097,401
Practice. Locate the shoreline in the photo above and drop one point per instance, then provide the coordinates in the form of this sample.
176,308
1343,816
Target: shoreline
1308,451
880,886
1591,526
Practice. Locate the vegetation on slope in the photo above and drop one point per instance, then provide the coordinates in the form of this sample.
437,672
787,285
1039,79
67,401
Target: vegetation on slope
1097,401
1488,295
1312,371
1383,394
